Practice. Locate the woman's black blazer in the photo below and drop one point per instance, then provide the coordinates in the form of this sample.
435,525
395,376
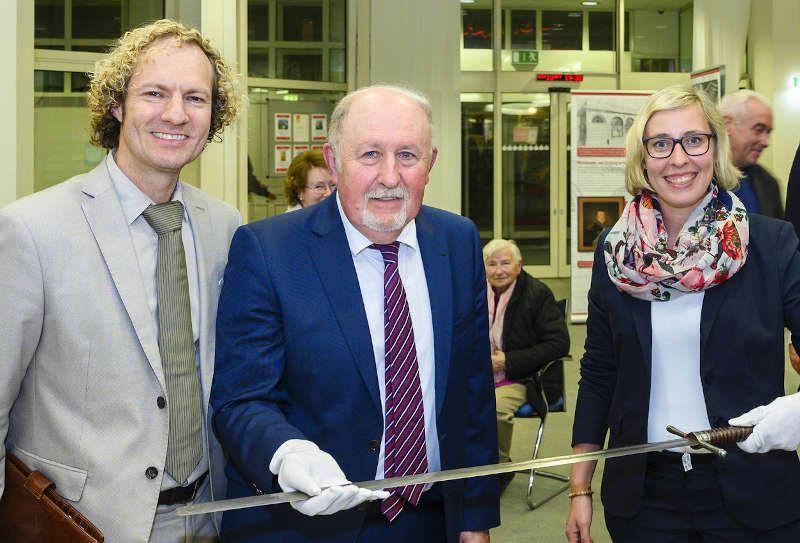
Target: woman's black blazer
741,366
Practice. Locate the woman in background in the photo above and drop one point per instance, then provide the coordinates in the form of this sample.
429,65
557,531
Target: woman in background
308,180
687,305
527,330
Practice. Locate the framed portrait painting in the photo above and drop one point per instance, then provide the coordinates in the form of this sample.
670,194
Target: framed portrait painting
595,215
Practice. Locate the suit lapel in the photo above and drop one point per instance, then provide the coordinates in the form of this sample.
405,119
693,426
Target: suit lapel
104,214
712,302
201,230
758,187
438,276
330,254
640,313
713,298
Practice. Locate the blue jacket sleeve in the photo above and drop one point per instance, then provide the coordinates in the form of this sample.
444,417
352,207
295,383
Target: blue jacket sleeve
250,360
481,494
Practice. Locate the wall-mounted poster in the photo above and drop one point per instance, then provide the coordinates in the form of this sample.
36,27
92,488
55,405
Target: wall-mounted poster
283,157
283,126
300,127
711,80
319,127
297,149
600,121
595,215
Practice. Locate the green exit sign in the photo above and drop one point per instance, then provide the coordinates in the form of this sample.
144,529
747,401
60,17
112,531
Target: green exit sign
524,56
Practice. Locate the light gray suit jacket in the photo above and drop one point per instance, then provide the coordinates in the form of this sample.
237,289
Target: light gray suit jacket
79,357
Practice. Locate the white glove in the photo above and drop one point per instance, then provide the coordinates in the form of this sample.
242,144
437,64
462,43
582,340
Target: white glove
776,425
301,465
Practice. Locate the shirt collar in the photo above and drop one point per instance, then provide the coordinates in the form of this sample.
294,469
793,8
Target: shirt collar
358,241
132,199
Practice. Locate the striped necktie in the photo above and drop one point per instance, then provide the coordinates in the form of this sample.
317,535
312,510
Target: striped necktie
176,342
405,452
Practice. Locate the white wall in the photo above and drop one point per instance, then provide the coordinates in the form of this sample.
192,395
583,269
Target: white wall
720,36
773,43
16,95
223,164
416,42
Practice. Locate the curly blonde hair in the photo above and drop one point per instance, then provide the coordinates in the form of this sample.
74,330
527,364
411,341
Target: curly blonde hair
109,85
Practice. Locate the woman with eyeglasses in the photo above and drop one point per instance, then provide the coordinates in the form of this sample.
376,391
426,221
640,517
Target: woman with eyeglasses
687,305
308,180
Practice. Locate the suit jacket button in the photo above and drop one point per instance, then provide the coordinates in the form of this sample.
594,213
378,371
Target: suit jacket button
161,402
151,472
374,445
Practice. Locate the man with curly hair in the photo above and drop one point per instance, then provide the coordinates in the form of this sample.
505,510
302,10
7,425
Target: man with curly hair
109,284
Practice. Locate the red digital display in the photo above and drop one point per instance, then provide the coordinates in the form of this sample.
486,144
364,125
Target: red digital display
559,77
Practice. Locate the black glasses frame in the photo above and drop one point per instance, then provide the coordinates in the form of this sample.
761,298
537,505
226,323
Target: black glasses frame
679,141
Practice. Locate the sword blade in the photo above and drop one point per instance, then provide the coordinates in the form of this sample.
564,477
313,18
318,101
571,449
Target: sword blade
435,477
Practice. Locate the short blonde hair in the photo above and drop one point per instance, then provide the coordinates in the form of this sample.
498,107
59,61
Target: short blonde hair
500,244
297,175
675,97
109,85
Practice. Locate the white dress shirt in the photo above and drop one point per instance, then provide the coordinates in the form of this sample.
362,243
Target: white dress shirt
369,269
676,393
145,244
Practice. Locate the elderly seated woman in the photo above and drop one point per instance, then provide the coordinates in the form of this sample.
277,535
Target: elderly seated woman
308,180
526,330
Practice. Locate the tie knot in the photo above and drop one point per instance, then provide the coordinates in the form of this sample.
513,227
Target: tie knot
389,252
164,218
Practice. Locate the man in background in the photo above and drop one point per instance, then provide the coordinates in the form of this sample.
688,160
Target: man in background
748,119
109,284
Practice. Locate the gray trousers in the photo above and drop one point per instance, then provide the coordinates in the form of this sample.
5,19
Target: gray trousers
170,528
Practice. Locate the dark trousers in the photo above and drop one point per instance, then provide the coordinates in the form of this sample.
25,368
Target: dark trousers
425,522
687,507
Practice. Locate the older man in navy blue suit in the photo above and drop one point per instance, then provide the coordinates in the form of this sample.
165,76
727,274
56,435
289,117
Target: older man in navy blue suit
352,344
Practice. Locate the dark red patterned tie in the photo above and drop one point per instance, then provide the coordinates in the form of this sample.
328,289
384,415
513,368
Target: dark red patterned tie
405,452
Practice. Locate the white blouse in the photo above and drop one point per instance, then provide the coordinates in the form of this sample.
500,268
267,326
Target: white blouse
676,393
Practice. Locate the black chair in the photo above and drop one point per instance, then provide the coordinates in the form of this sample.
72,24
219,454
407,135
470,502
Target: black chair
537,407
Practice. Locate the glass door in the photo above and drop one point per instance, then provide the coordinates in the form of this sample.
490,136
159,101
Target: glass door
535,131
526,183
522,196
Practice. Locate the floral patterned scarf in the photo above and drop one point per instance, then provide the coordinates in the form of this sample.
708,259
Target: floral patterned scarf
711,247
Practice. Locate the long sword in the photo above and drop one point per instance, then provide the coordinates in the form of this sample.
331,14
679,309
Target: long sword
707,439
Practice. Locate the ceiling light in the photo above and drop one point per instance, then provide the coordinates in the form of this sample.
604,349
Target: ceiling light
582,3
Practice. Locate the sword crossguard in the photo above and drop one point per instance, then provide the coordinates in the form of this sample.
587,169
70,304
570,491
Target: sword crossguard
709,439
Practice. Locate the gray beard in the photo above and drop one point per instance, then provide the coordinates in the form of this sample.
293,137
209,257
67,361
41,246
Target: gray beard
394,223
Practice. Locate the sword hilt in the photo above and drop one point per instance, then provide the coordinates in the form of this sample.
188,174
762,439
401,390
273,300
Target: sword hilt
710,439
726,435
